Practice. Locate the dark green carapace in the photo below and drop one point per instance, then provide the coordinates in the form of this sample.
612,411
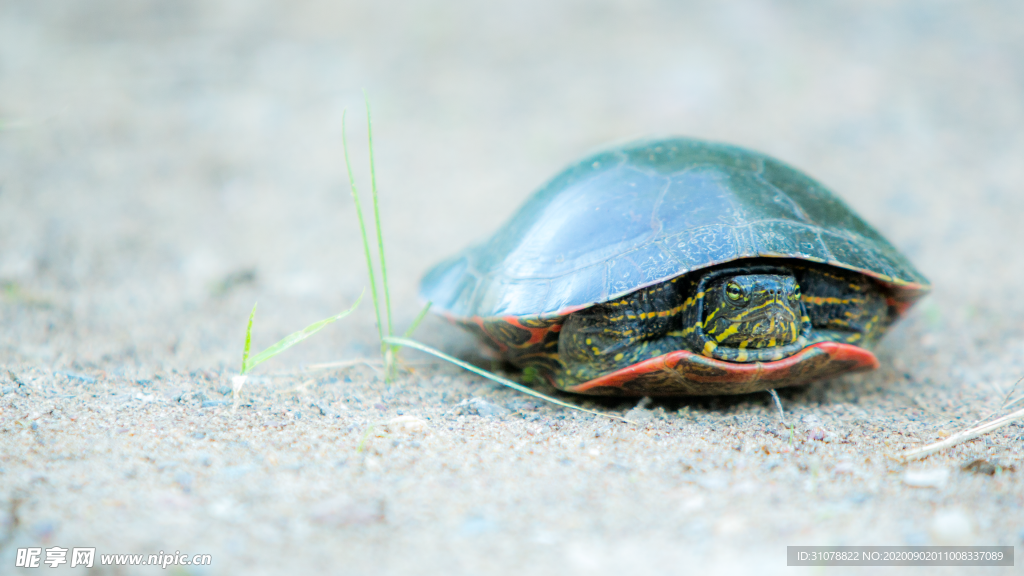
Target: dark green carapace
680,267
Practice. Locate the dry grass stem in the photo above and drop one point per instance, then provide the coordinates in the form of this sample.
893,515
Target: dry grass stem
342,364
964,436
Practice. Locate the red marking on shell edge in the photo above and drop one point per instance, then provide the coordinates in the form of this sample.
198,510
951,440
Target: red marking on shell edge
502,347
680,361
570,309
900,306
536,334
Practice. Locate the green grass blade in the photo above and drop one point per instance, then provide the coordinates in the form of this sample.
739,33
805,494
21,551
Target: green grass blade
376,217
362,228
416,322
503,381
248,338
295,337
364,438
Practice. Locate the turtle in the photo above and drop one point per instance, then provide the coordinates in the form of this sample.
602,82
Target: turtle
677,267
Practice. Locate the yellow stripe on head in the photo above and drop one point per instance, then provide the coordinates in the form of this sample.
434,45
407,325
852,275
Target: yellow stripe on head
732,329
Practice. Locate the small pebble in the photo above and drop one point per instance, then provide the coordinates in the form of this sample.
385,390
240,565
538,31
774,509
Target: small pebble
816,433
845,467
76,376
981,466
639,413
486,409
926,478
811,421
405,425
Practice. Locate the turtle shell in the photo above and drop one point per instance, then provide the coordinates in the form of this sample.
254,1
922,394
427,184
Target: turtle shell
645,213
649,211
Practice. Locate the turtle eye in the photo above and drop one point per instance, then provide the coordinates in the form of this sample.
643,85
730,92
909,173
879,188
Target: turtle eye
734,292
796,291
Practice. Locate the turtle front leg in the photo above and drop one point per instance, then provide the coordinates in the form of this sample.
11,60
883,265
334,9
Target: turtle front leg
617,334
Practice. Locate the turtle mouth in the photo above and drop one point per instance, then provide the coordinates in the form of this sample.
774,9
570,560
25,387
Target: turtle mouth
772,325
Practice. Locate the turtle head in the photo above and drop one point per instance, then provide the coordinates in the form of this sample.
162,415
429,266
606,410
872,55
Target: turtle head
750,312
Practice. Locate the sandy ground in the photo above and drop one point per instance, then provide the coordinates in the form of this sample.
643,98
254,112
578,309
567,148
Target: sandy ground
164,164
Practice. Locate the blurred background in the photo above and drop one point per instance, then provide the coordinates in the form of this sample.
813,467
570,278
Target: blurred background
166,163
